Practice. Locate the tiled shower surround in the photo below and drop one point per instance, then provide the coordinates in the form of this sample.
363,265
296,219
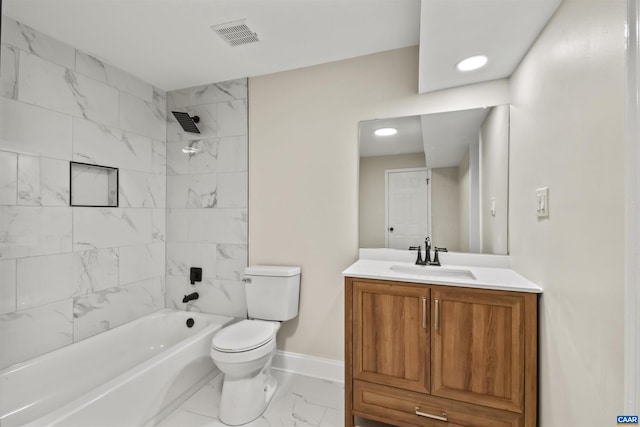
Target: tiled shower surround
70,273
67,273
207,198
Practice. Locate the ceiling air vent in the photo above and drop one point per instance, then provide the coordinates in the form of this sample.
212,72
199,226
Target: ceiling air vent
235,33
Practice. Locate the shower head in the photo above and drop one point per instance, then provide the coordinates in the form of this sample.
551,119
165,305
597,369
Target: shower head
187,122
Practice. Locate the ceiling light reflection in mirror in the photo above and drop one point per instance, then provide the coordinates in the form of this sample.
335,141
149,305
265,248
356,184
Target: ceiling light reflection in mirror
386,131
472,63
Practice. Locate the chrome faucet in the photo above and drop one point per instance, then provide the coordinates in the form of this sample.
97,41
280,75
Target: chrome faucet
190,297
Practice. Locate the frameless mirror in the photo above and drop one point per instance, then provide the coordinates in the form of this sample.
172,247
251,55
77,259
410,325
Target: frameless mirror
442,175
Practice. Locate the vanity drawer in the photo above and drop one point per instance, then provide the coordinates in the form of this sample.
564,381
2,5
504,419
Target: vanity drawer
400,407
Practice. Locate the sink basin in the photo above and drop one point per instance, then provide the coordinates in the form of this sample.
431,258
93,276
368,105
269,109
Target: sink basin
434,272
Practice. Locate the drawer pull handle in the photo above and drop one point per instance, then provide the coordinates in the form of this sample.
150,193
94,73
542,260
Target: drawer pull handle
442,417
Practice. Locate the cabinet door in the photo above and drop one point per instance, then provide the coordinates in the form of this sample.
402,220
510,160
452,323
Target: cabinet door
478,347
391,335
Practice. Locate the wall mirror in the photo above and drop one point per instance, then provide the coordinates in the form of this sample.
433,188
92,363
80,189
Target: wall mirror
442,175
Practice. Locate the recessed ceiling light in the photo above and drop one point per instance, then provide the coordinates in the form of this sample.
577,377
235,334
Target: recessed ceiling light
472,63
386,131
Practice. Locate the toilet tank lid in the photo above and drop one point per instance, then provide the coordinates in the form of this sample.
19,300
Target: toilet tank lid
271,270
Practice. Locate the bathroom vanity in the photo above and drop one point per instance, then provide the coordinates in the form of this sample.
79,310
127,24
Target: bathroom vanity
440,346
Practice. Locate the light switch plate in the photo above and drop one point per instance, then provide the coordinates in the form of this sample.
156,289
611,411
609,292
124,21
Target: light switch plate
542,202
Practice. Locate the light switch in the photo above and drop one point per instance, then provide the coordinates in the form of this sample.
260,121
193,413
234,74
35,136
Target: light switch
542,202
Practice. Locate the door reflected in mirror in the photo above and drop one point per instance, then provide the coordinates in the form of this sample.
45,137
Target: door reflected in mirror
442,175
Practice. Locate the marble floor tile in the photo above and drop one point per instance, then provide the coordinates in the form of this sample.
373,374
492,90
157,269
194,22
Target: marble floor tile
332,418
203,401
182,418
320,392
298,402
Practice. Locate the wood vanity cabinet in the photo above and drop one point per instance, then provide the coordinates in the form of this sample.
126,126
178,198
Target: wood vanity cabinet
431,355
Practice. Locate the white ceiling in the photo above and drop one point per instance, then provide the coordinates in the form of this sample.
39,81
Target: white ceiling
452,30
407,140
169,43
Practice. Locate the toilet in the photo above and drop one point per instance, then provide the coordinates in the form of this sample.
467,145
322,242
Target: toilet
244,350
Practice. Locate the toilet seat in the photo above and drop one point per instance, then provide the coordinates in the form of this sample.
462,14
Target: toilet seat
244,336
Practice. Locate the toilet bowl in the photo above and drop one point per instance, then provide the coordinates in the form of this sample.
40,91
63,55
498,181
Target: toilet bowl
244,350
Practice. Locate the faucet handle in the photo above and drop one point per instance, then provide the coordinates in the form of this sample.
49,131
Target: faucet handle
441,249
415,248
436,259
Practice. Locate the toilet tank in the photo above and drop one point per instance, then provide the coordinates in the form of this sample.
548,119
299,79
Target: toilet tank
272,291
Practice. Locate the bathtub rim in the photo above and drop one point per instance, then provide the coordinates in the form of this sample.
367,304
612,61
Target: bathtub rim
69,408
86,341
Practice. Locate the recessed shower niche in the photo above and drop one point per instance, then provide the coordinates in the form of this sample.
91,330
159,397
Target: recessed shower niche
93,185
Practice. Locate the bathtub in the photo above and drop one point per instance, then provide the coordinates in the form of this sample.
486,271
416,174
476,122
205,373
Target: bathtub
132,375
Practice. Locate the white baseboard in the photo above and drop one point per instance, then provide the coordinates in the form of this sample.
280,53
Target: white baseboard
311,366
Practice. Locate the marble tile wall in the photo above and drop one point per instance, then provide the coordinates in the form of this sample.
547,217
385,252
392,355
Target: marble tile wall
70,273
207,198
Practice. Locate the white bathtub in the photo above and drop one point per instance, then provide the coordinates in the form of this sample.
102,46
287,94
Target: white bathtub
132,375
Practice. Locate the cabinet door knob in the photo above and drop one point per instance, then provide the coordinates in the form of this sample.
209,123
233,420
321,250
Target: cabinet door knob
391,229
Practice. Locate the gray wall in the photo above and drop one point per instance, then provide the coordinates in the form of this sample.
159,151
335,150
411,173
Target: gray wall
445,208
494,180
312,115
464,209
372,193
567,132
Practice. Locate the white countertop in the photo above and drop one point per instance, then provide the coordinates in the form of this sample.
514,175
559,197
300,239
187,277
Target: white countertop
503,279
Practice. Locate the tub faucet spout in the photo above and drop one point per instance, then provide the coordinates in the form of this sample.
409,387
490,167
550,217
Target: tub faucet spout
190,297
